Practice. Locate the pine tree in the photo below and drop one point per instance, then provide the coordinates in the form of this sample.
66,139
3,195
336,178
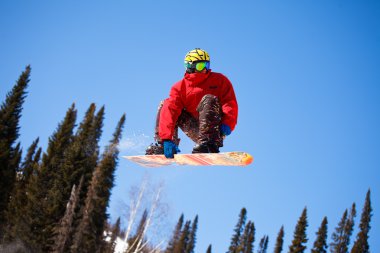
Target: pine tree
176,235
279,241
80,161
239,228
97,126
209,249
32,158
342,234
337,236
82,155
89,233
183,241
19,221
16,159
349,227
63,230
37,215
300,239
251,238
16,222
10,114
361,243
263,246
192,236
247,239
320,244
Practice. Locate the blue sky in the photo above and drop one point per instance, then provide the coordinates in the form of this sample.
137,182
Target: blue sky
306,76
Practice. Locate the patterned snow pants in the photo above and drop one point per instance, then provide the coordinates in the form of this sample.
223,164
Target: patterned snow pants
205,129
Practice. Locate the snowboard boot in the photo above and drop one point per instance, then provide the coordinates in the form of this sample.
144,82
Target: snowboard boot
213,148
155,149
206,148
200,148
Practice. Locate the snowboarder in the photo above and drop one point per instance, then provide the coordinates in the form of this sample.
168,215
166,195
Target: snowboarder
202,104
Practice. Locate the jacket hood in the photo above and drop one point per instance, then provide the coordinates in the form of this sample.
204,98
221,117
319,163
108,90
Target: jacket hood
195,79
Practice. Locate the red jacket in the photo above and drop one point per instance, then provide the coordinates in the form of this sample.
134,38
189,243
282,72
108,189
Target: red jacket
188,92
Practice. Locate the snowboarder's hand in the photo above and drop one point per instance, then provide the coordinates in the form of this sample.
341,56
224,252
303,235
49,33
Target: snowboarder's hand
170,149
225,130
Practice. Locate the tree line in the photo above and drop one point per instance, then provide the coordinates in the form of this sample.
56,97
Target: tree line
56,200
243,238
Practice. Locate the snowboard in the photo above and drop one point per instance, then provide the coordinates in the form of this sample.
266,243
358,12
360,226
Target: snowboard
236,158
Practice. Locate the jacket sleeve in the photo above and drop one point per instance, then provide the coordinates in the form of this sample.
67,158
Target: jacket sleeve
229,105
170,112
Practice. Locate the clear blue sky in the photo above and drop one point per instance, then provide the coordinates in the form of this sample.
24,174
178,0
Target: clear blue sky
306,75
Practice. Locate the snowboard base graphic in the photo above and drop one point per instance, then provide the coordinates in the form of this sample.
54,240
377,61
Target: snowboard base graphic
236,158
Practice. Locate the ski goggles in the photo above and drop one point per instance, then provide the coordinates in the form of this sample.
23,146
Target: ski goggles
198,66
